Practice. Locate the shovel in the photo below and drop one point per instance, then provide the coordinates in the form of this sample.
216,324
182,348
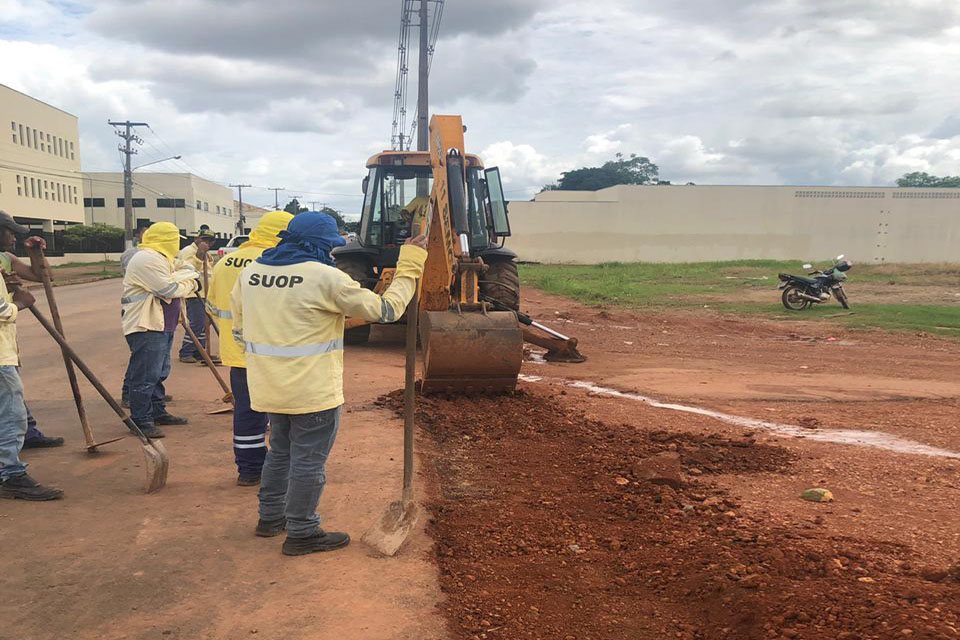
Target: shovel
67,363
393,528
228,397
154,453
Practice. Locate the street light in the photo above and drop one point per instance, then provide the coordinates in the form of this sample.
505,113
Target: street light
155,162
128,197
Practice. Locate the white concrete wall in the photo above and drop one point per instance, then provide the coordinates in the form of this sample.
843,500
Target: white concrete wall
82,257
705,223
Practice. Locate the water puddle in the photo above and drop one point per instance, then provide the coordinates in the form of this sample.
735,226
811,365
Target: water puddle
875,439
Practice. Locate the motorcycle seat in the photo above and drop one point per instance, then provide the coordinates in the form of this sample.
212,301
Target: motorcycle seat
804,279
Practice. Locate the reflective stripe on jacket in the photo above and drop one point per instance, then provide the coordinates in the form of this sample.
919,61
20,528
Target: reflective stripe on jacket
9,354
290,320
187,257
150,278
225,274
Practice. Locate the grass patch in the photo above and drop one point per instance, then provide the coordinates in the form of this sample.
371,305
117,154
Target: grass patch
656,287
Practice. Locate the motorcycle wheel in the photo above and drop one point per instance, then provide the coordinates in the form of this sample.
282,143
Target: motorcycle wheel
792,300
841,297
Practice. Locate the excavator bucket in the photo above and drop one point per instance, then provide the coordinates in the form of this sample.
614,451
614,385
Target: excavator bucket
470,352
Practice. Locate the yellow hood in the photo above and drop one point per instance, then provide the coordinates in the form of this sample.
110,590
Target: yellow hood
265,234
163,237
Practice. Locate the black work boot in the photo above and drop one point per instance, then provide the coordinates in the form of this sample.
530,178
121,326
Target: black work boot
270,528
26,488
43,442
149,430
248,481
320,541
168,419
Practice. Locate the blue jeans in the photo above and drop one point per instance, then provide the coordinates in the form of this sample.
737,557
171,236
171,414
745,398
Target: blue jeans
13,423
249,427
197,319
149,366
293,473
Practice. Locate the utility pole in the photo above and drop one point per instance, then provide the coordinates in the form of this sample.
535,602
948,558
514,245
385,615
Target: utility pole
276,196
423,106
127,149
241,218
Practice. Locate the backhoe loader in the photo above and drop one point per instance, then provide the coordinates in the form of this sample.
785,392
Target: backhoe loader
470,327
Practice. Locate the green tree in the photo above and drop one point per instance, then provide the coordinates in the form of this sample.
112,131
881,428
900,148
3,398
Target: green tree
333,213
94,237
633,170
294,207
925,180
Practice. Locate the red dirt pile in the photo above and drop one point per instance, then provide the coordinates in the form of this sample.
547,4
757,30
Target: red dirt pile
552,525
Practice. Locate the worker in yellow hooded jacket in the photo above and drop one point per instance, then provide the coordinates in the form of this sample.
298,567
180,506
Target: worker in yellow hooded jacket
288,310
249,426
152,291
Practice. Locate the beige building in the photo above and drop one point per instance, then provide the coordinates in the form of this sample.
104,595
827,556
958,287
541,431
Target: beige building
251,213
39,162
180,198
705,223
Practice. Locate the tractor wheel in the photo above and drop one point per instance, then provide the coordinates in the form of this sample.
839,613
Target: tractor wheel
359,271
502,283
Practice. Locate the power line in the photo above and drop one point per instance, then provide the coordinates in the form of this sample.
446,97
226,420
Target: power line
434,34
129,139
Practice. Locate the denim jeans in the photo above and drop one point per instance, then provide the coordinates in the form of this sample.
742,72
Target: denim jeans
293,473
13,423
249,427
197,318
149,366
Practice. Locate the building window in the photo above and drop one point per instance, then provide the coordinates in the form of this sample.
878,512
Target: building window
71,151
206,206
93,202
20,129
218,209
199,205
60,146
171,203
138,203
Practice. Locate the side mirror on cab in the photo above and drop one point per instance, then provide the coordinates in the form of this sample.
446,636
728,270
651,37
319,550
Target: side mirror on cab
365,184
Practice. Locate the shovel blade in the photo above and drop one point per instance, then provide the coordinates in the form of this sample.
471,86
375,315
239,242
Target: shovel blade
157,465
393,529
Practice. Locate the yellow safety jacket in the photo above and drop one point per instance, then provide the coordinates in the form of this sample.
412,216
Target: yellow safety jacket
187,257
225,274
150,278
290,320
9,353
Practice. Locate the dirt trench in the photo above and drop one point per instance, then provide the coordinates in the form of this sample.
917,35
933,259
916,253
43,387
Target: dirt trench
545,528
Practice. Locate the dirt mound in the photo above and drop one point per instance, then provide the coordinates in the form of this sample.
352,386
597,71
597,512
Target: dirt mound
543,530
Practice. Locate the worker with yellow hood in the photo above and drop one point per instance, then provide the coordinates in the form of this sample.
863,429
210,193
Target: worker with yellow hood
249,426
152,289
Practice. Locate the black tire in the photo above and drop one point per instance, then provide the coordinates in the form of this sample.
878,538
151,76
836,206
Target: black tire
841,297
792,301
502,283
359,270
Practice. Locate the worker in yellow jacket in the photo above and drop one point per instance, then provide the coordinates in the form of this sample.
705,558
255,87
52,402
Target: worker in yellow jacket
152,289
288,311
249,426
14,480
196,255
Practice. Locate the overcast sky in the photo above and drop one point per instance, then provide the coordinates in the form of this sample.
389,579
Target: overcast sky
298,93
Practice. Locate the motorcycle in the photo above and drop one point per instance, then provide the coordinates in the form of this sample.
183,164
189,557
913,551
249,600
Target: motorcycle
799,292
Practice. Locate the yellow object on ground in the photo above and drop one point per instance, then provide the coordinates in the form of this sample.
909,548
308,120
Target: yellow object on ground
225,274
290,320
817,495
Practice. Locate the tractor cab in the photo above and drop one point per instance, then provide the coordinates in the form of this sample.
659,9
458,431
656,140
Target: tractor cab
398,183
